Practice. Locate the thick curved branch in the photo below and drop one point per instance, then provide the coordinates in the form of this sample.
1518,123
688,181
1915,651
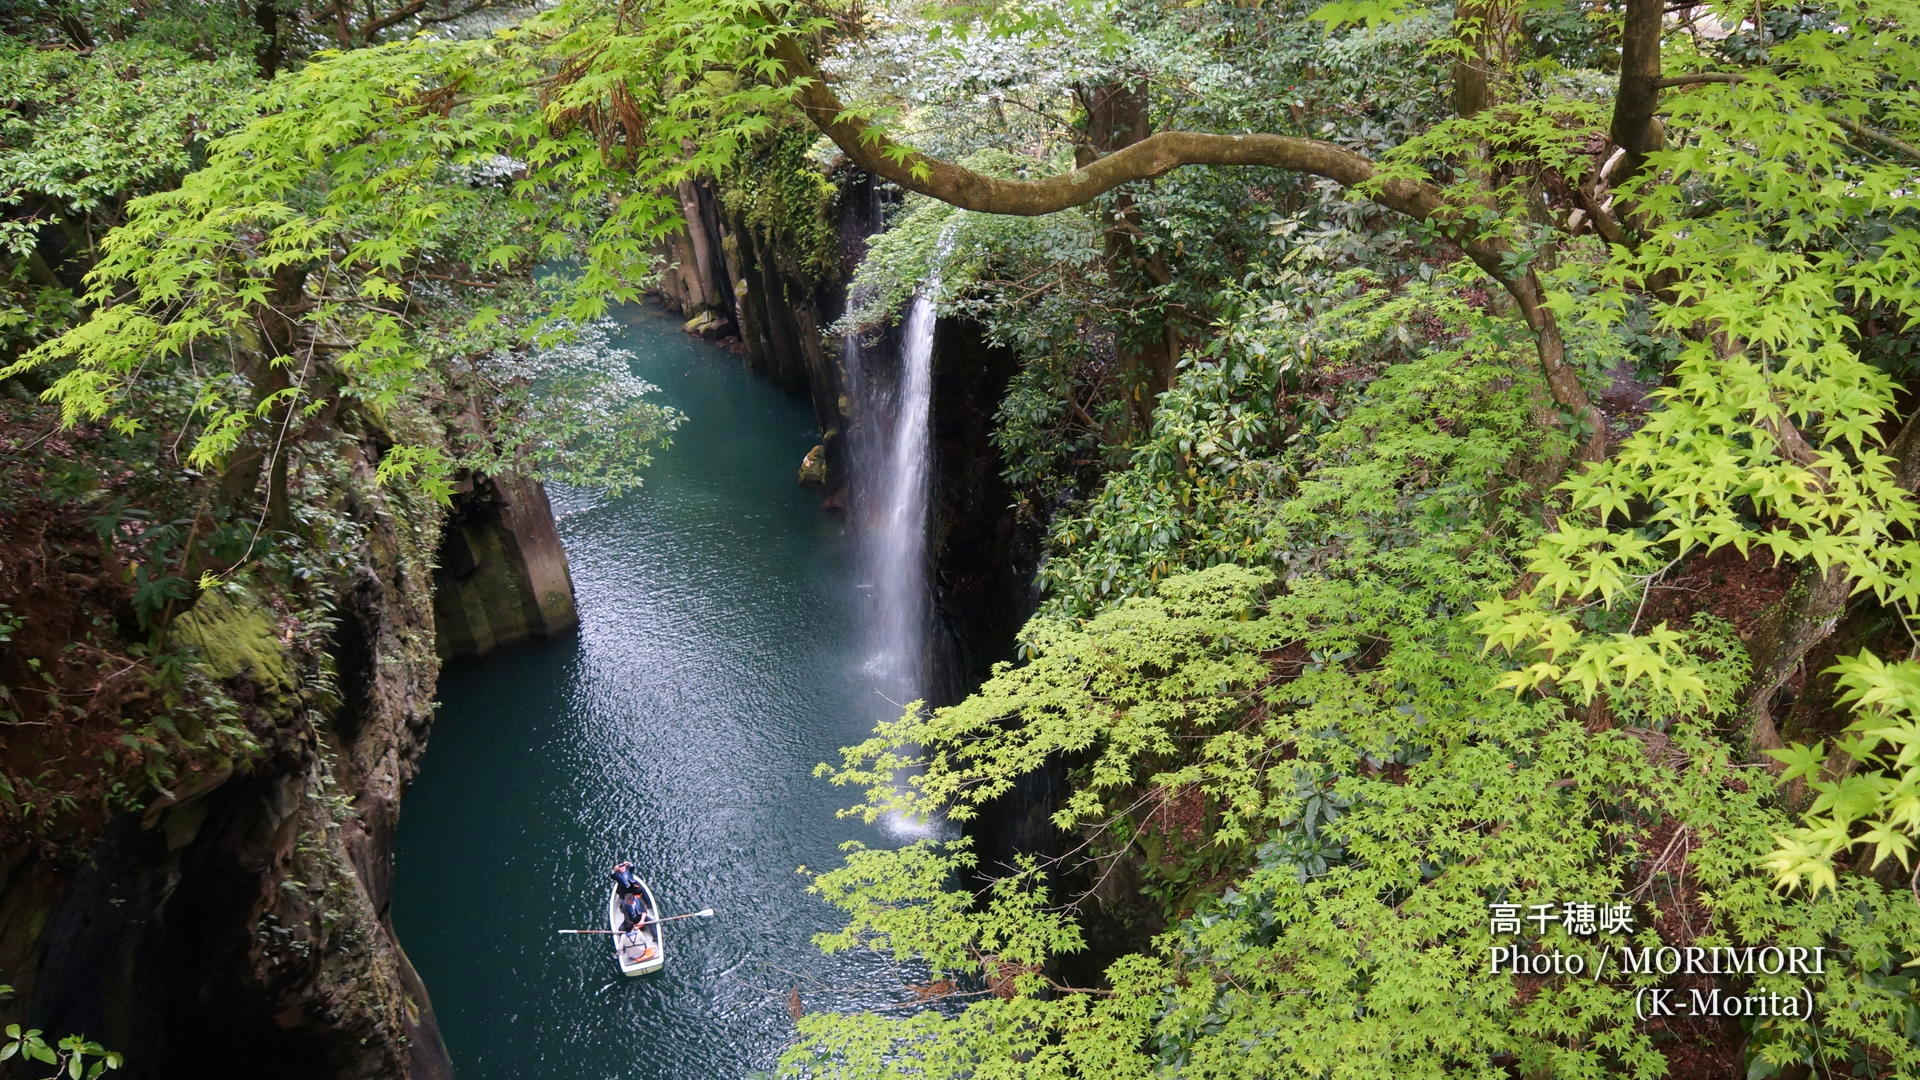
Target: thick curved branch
373,26
1163,152
1155,155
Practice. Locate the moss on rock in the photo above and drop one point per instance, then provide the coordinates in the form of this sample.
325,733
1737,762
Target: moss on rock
236,637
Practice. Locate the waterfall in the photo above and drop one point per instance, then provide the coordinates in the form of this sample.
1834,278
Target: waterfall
899,538
892,490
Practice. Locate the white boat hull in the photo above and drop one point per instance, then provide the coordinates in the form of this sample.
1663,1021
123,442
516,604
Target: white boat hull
642,950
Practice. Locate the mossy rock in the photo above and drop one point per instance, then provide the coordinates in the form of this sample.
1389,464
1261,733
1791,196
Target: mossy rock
706,324
813,467
234,633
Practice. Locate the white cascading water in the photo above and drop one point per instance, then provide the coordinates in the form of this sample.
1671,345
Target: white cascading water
893,503
899,541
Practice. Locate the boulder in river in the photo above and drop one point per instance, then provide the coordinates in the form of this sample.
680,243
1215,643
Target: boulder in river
813,467
707,324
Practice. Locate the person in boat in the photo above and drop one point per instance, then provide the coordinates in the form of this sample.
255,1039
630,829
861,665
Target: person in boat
623,875
634,912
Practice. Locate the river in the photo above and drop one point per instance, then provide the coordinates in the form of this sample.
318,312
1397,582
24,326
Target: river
720,656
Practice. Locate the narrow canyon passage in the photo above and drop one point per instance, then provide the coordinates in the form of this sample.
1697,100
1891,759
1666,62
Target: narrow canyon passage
721,654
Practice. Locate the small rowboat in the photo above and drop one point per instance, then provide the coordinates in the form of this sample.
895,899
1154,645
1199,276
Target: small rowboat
642,949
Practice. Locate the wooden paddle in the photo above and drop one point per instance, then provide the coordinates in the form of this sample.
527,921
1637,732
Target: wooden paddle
707,913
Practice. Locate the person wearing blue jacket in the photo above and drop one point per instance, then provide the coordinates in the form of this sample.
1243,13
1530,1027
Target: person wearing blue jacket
624,875
635,911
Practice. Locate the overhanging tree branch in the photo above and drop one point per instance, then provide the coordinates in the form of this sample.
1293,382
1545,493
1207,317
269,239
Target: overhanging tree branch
1154,156
1698,77
1865,132
374,26
1165,151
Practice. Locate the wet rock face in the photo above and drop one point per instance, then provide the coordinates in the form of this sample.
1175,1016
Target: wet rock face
239,926
983,556
734,284
696,279
502,575
249,950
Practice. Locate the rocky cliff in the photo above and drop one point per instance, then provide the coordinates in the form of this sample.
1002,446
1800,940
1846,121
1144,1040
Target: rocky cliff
237,923
748,282
983,554
501,575
751,280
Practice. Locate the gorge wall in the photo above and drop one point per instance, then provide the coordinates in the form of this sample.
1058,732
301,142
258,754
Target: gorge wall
748,286
982,555
238,925
501,574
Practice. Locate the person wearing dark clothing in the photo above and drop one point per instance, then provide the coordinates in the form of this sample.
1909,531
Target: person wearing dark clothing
623,875
635,911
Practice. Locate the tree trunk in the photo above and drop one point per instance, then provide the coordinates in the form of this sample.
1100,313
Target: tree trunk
1486,28
1805,620
282,340
76,31
1117,117
273,44
1792,628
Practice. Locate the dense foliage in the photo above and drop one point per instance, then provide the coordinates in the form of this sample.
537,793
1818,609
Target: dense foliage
1398,384
1419,565
1369,785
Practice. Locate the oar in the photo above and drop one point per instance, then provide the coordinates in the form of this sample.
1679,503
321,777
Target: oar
707,913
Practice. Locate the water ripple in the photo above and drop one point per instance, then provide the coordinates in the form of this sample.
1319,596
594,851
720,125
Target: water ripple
718,659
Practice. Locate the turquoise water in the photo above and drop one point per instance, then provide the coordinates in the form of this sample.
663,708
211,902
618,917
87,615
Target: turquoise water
719,657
